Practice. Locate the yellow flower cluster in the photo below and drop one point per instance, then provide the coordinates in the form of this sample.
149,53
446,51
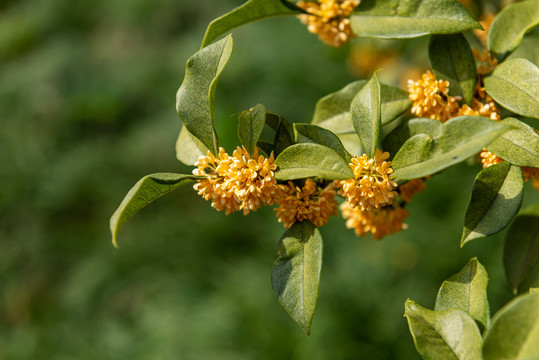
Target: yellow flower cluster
237,182
311,203
484,61
329,19
412,187
430,98
371,188
379,222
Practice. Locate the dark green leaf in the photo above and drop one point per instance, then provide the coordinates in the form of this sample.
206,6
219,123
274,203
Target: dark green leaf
189,148
447,334
146,190
452,60
311,160
266,147
410,18
510,25
518,145
366,115
305,133
521,251
466,290
514,332
513,84
395,139
496,198
252,10
462,137
195,98
250,126
296,272
283,135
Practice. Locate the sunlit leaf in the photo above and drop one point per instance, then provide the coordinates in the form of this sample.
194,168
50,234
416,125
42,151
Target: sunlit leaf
305,133
452,60
146,190
521,251
250,126
396,138
447,334
462,137
296,272
410,18
467,290
366,115
513,84
510,25
514,332
195,98
189,148
518,145
496,198
311,160
252,10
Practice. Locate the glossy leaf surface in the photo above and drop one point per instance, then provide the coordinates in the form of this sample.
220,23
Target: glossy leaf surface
195,98
518,145
513,84
466,290
366,115
410,18
496,198
296,272
146,190
250,126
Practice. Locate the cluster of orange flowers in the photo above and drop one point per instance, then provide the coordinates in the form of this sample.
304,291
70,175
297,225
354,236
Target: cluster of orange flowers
329,19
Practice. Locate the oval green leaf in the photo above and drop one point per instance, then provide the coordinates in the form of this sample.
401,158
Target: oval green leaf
496,198
396,138
462,137
452,60
366,115
513,84
196,95
252,10
521,251
410,18
305,133
311,160
189,148
467,290
250,126
510,25
514,332
446,334
146,190
296,272
518,145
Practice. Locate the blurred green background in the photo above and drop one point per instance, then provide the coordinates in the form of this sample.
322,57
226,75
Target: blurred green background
87,107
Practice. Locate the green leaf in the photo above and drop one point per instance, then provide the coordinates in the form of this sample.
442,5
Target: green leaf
462,137
189,148
519,145
252,10
514,330
528,49
366,115
466,290
250,126
445,334
452,60
410,18
351,143
296,272
333,110
146,190
510,25
311,160
395,139
283,135
496,198
195,98
513,84
521,251
305,133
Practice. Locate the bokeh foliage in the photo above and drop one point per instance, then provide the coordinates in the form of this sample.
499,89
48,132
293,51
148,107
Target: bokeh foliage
87,108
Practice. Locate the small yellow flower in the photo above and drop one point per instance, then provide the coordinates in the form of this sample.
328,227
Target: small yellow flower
412,187
430,98
484,61
329,19
311,203
371,187
488,158
237,182
379,222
